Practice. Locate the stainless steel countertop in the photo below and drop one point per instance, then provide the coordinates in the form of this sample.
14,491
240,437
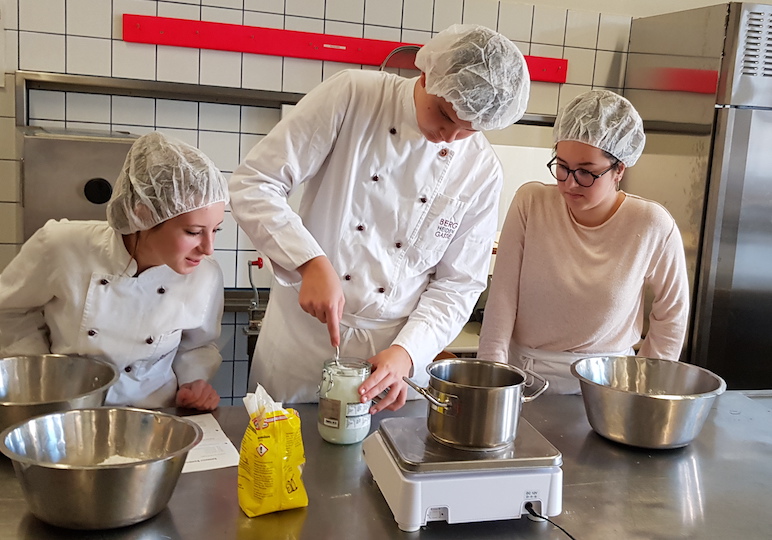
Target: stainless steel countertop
718,487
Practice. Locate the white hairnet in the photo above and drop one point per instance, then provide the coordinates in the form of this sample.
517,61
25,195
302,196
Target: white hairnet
604,120
481,73
161,179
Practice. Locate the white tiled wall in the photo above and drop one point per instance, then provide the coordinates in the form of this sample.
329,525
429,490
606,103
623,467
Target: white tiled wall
10,169
549,25
83,37
582,29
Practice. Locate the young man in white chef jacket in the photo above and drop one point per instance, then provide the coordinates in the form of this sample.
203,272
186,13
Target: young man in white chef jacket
391,245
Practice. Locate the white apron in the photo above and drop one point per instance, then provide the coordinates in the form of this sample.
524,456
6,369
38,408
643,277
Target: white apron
553,366
293,346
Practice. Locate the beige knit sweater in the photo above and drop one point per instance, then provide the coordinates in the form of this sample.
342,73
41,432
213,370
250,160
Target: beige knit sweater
561,286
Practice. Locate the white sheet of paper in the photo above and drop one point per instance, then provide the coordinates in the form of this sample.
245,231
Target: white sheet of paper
215,451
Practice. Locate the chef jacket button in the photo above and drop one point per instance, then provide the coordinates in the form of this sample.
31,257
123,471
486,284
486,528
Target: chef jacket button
127,369
161,290
149,340
423,199
381,290
393,131
103,282
375,178
360,227
92,332
443,152
347,277
398,244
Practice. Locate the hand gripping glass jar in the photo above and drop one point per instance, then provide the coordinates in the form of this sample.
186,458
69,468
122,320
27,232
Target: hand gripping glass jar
342,418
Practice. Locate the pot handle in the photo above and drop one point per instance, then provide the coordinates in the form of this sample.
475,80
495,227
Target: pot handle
540,391
433,400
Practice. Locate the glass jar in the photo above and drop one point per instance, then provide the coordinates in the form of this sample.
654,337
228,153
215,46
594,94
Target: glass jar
343,419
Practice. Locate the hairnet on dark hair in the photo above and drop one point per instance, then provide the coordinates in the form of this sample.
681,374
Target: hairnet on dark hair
481,73
604,120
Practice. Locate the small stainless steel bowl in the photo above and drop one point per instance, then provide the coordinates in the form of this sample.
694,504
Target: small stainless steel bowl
59,459
40,384
646,402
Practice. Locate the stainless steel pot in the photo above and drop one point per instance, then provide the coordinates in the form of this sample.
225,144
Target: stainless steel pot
475,404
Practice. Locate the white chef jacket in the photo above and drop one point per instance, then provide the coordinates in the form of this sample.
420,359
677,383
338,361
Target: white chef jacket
70,291
408,225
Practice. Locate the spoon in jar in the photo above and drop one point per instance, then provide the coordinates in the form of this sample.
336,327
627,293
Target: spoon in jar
337,356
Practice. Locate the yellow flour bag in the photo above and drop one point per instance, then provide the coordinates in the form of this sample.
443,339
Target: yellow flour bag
272,458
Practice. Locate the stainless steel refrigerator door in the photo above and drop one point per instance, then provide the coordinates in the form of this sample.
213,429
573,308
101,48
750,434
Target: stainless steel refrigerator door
733,314
745,77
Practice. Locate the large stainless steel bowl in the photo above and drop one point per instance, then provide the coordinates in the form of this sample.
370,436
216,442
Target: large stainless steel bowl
99,468
41,384
646,402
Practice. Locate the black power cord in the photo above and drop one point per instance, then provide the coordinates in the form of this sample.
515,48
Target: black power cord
529,508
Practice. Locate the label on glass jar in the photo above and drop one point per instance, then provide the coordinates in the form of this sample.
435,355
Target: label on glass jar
357,409
358,422
329,412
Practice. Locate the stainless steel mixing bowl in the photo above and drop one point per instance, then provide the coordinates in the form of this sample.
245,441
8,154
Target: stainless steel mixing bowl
646,402
60,458
40,384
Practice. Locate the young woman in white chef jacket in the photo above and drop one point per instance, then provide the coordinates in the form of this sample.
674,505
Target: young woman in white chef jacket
390,248
140,290
574,259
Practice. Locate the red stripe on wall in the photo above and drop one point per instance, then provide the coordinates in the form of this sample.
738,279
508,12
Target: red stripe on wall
547,69
699,81
291,43
253,39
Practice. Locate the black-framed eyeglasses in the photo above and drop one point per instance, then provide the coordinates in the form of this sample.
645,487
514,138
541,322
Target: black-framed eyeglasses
583,177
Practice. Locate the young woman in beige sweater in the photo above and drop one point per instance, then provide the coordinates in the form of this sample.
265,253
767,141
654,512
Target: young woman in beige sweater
574,259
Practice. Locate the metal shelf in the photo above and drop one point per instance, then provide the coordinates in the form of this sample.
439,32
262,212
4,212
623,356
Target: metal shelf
31,80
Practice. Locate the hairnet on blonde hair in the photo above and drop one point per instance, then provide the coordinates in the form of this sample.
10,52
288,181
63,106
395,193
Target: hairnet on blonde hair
162,178
604,120
481,73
